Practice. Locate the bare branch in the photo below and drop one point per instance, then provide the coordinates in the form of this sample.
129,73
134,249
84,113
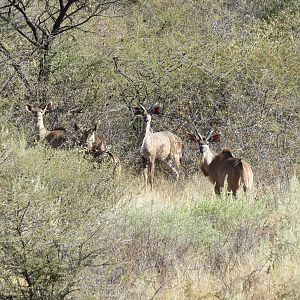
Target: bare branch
61,16
95,13
7,82
27,20
18,30
17,68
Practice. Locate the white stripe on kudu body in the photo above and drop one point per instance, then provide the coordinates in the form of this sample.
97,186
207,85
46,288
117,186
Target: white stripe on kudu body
220,166
163,146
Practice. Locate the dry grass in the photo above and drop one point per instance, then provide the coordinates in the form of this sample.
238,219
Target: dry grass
181,242
178,241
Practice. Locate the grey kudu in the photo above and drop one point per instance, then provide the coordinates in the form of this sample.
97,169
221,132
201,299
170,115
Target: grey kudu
163,146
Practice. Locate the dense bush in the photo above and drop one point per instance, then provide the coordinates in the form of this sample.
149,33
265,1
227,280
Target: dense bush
52,204
215,65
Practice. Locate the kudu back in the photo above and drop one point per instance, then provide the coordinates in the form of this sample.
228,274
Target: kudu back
56,137
164,146
224,165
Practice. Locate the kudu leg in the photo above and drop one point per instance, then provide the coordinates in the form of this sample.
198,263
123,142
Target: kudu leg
246,190
145,173
177,159
117,169
233,188
174,165
117,164
217,190
151,174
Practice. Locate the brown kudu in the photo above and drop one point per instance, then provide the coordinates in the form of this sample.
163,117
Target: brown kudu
163,146
224,165
96,146
56,137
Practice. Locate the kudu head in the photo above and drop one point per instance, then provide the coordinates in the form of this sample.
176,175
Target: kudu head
147,113
83,134
90,140
204,141
39,112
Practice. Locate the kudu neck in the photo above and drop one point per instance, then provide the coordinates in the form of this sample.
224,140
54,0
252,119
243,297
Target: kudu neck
145,133
42,131
146,128
207,158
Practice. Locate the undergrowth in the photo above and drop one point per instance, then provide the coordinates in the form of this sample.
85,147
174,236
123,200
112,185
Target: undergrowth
70,229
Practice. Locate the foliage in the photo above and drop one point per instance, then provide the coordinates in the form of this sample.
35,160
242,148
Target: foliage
51,227
211,64
69,230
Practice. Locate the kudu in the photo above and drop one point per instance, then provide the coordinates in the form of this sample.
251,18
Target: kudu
96,146
56,137
163,146
220,166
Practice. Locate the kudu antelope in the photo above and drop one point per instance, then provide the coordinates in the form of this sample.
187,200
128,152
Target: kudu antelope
96,146
219,166
163,146
56,137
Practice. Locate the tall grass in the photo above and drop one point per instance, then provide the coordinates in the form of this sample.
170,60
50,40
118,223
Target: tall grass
70,230
177,243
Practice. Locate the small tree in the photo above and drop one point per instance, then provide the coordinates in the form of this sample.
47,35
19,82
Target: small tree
29,30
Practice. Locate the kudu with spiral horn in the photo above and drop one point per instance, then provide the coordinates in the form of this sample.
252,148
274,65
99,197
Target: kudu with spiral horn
224,165
164,146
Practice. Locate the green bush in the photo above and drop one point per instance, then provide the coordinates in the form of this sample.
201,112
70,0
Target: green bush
52,204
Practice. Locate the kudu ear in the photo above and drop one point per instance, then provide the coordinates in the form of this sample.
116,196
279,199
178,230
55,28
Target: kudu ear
215,138
155,109
29,107
192,137
49,107
137,110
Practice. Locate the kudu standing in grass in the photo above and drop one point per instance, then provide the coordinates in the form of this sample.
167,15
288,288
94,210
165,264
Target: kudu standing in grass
96,146
163,146
219,166
56,137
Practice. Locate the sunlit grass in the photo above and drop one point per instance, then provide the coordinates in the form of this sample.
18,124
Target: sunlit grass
178,241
